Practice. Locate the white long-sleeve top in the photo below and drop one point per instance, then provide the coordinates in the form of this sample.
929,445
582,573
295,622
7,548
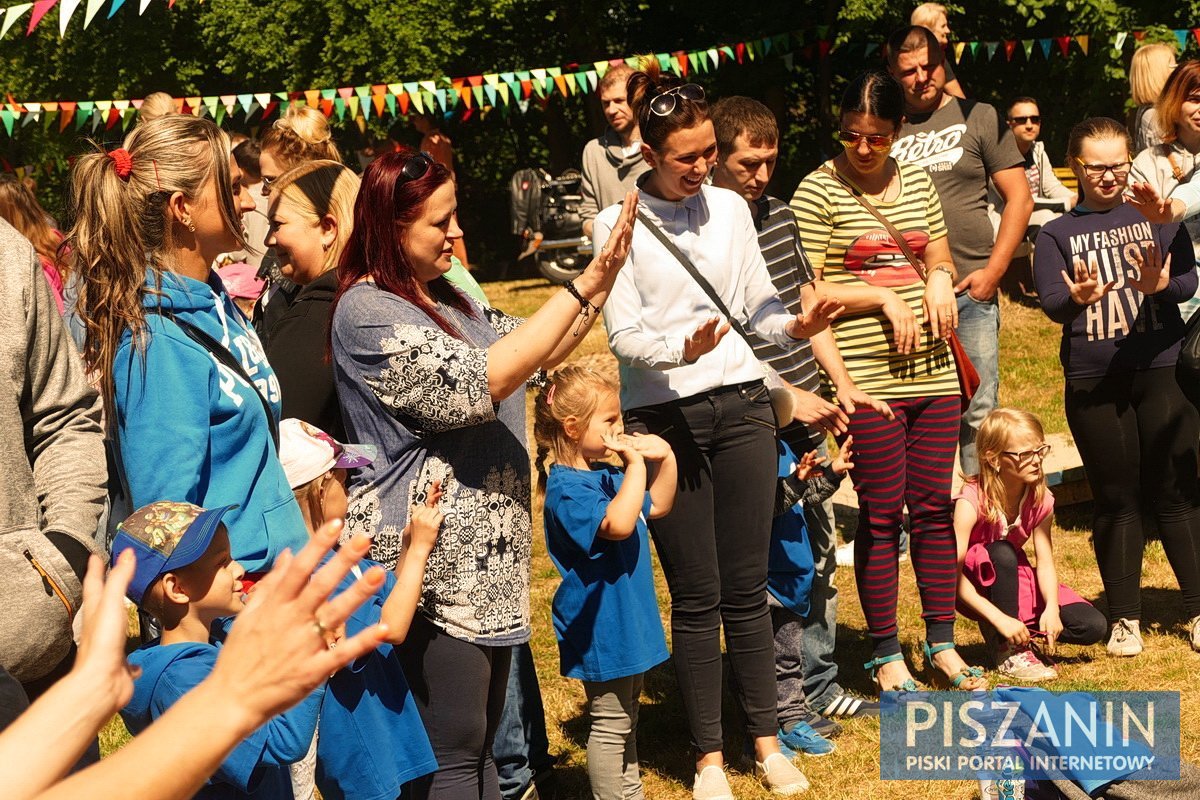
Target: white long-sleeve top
655,304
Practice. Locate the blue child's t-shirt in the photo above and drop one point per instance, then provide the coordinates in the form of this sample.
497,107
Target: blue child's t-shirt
371,738
258,767
605,611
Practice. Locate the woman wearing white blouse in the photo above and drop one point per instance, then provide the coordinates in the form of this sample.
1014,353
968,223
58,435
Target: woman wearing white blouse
703,392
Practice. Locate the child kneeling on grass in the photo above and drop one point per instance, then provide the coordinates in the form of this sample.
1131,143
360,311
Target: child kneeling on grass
187,580
997,586
789,583
605,611
370,739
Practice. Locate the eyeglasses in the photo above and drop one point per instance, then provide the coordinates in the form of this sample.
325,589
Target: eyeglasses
664,104
416,167
876,141
1119,170
1034,118
1025,456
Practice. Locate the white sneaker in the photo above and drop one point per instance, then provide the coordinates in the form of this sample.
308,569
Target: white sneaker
1024,665
1125,638
711,784
1194,633
844,555
780,775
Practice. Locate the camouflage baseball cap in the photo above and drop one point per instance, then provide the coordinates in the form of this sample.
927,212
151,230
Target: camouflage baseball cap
164,536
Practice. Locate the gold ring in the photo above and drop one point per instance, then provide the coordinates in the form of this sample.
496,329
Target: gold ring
319,627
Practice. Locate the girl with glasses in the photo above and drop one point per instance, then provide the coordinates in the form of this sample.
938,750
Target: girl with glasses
435,381
1114,281
997,511
893,340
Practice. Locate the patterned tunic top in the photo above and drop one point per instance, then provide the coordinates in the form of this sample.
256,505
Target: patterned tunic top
421,396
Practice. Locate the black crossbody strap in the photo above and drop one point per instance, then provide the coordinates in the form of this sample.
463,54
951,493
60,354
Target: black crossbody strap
696,276
224,357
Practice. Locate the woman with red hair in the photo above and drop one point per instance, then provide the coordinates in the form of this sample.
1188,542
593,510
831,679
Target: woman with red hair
433,380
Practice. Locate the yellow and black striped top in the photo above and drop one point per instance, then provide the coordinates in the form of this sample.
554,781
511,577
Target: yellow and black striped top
846,244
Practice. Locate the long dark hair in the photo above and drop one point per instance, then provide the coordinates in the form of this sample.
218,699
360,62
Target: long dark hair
646,84
387,205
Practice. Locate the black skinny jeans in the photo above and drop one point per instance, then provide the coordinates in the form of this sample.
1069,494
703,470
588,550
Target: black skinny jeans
1137,435
713,548
1082,622
460,690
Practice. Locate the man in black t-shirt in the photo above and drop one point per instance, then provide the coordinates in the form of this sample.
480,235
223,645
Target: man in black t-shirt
962,144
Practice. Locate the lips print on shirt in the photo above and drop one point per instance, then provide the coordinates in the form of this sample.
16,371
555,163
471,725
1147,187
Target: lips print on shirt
875,258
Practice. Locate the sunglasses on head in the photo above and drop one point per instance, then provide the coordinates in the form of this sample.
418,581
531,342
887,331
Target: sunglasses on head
1034,118
416,167
664,104
876,141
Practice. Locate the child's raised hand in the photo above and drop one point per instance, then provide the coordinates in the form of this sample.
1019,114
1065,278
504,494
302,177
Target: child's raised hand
808,465
843,462
434,496
652,448
424,521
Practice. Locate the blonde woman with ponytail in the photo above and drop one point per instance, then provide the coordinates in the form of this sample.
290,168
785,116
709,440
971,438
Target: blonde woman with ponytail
311,213
605,611
193,403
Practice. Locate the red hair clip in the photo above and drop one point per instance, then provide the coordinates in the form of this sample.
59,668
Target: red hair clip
122,163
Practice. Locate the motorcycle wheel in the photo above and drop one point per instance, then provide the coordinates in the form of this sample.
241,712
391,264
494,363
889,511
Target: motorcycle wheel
561,265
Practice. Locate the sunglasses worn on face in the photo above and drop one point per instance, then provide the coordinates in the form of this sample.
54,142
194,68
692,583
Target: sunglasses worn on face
1119,170
664,104
1034,118
875,141
1025,456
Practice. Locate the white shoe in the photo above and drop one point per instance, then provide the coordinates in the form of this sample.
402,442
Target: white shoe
1194,633
780,775
1125,638
711,784
844,555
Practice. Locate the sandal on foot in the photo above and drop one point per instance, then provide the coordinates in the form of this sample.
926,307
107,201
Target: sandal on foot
968,678
872,668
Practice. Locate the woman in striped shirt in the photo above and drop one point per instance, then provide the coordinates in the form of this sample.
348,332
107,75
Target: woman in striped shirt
893,339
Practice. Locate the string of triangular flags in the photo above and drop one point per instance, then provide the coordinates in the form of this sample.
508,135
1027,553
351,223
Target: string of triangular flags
11,15
505,91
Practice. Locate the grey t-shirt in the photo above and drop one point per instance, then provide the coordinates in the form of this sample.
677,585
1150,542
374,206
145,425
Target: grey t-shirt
961,145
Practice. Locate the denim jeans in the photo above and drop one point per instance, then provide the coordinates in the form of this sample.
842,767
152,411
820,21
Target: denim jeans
520,748
979,332
820,626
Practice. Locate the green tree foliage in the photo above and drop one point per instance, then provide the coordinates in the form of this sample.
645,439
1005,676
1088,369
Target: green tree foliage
238,46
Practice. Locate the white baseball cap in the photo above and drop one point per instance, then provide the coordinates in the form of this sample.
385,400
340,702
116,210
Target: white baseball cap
307,452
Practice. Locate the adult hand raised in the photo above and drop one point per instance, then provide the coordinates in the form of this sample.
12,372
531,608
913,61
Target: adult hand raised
606,264
704,339
1154,272
1145,198
276,651
1086,288
816,319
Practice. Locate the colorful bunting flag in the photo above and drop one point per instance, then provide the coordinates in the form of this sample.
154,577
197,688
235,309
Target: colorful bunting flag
12,14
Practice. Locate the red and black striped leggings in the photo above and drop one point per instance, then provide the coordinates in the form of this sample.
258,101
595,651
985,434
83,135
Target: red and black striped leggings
906,461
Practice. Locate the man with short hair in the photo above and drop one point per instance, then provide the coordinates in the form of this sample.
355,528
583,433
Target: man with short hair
613,161
747,150
961,144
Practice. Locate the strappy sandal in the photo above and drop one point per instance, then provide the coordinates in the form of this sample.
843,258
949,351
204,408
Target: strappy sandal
872,668
968,678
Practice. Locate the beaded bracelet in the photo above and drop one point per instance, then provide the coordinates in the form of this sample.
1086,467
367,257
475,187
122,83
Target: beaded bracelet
586,309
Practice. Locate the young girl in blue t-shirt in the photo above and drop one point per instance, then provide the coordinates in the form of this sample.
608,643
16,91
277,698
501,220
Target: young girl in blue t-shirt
605,611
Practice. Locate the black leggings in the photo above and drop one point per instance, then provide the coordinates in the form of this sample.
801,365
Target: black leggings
1082,622
1137,435
713,548
460,689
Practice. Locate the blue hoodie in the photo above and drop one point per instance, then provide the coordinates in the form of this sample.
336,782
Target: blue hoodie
190,430
258,767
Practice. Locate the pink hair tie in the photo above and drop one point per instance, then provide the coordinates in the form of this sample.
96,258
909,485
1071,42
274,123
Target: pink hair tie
122,163
550,395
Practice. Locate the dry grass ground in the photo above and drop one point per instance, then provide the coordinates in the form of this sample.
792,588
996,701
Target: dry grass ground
1032,380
